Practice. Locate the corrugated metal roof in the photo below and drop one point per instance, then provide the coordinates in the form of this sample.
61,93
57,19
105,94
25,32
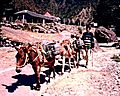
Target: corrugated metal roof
34,14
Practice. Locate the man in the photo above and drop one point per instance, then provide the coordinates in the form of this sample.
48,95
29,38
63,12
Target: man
88,40
77,47
72,39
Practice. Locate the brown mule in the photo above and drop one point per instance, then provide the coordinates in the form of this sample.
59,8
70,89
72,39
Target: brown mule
66,52
34,56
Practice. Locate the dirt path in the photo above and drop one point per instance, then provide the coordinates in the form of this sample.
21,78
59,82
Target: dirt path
101,79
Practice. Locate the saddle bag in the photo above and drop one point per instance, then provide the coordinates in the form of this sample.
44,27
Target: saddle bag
77,45
50,50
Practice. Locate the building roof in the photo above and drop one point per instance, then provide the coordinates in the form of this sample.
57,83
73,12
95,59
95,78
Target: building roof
34,14
51,16
48,14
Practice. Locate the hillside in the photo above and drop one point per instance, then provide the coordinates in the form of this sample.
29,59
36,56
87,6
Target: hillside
62,8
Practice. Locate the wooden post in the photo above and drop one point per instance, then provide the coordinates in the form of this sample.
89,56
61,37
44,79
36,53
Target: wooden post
23,19
43,22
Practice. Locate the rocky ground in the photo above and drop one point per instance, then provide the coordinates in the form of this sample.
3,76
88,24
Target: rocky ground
100,79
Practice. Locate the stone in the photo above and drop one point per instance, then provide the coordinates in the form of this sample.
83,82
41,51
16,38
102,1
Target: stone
104,35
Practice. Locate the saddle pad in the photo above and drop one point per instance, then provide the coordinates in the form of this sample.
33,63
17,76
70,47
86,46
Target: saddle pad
88,46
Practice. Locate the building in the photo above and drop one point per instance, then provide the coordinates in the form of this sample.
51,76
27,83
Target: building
33,17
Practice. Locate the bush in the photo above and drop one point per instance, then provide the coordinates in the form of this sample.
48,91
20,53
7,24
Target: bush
116,58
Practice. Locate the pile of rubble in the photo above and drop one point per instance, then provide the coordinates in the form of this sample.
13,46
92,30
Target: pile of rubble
17,34
39,28
7,42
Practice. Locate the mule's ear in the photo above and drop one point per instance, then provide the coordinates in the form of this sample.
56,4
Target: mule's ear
16,48
25,50
29,45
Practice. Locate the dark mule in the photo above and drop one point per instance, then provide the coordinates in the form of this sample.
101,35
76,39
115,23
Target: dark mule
36,57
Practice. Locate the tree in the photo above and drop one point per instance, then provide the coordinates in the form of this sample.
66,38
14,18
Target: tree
108,13
105,12
3,5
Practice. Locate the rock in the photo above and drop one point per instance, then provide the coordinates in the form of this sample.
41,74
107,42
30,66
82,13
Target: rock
104,35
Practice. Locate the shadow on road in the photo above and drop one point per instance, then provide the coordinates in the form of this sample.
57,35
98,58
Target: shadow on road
23,80
29,80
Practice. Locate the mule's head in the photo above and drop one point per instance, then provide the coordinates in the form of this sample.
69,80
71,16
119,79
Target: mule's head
21,58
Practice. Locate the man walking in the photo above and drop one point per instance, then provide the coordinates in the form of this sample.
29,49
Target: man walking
88,40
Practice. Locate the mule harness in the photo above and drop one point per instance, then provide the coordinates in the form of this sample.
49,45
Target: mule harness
26,60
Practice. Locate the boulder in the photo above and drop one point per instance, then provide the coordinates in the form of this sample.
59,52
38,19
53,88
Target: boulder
104,35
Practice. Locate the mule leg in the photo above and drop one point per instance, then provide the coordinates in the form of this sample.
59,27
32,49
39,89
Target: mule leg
77,65
49,74
92,57
69,62
37,76
63,65
75,60
51,69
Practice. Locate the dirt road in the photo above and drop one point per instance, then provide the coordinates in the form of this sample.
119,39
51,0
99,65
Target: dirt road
101,79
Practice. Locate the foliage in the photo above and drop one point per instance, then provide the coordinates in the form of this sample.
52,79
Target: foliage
116,58
108,13
62,8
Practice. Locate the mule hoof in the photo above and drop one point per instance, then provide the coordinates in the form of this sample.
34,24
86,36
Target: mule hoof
18,71
48,81
69,71
77,66
53,77
62,73
35,88
74,66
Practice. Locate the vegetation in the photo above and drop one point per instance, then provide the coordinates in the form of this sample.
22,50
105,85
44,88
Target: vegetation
116,58
108,13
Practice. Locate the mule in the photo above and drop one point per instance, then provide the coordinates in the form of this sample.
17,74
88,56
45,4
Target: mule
66,52
36,57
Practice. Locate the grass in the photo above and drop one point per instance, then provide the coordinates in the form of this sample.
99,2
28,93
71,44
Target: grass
116,58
